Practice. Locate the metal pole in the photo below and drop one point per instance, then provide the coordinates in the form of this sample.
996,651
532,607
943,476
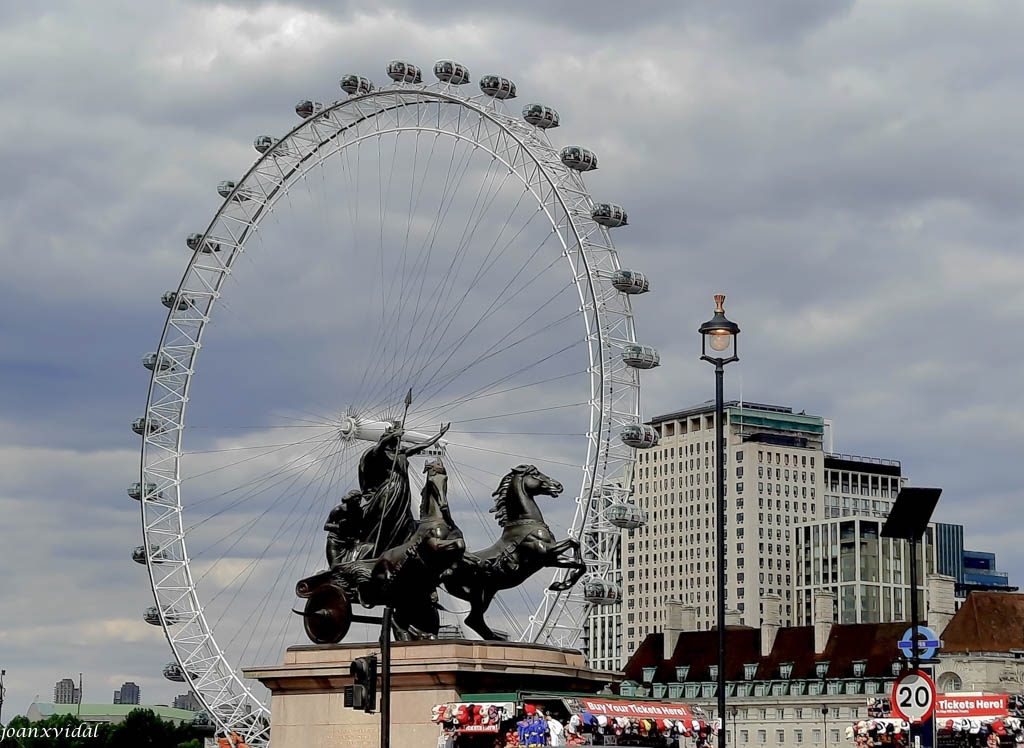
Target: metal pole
915,659
720,501
915,655
824,724
385,677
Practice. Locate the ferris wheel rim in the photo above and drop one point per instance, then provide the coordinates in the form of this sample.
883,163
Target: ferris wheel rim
229,682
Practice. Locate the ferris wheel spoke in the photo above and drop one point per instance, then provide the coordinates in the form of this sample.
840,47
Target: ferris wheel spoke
449,277
293,516
448,195
274,480
449,314
315,512
497,302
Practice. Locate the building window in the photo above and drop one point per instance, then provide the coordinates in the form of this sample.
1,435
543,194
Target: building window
745,736
798,735
762,736
780,736
816,735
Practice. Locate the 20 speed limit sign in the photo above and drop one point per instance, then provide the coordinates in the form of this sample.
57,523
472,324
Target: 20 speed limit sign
913,697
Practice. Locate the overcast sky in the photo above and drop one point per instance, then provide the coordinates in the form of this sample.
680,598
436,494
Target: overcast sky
848,173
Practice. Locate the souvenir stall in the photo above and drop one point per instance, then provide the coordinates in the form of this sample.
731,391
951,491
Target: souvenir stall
978,721
473,725
961,721
556,720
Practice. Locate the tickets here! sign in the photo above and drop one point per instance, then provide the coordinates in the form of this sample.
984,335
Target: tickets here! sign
637,709
951,706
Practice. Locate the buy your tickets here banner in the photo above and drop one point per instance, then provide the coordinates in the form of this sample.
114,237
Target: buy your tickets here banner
951,706
640,709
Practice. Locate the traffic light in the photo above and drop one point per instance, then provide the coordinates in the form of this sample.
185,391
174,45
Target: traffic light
364,691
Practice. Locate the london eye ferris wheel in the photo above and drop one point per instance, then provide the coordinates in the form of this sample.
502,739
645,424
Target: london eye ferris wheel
414,236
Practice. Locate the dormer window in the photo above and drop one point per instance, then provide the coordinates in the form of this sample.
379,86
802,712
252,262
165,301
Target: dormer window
786,670
681,672
713,672
749,670
821,668
649,674
859,666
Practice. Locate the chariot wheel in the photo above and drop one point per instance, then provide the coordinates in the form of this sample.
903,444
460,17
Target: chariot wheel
413,236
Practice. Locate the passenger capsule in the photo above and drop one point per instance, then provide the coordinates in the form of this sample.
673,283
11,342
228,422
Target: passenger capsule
626,515
641,356
609,214
170,300
196,244
264,143
448,71
172,671
639,436
152,616
601,592
630,281
497,87
139,426
150,362
307,108
355,85
139,555
540,116
404,72
578,158
135,489
202,721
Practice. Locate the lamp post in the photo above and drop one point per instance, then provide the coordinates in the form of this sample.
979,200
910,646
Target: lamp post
719,334
824,724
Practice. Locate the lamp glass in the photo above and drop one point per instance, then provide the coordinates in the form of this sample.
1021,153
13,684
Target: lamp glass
719,340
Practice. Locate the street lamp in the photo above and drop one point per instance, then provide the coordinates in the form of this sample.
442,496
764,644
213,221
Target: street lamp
824,724
719,334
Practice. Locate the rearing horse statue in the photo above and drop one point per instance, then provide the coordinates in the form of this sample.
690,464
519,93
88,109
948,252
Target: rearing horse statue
526,546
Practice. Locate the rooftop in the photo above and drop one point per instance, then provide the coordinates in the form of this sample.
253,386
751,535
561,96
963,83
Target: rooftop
873,642
709,405
986,622
109,710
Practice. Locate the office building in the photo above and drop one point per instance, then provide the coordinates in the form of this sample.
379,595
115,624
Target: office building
974,571
187,701
129,693
66,692
775,469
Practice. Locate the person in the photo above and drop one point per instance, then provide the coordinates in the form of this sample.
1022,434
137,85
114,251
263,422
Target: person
556,733
344,529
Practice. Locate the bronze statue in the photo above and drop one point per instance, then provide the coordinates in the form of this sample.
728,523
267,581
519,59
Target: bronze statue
379,555
526,545
384,482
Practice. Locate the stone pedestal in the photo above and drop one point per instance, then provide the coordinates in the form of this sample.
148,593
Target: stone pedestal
307,691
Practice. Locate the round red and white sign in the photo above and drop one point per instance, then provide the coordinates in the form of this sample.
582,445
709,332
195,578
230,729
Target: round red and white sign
913,697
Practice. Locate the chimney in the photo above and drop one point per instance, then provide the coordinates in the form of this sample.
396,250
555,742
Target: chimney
732,618
823,603
771,622
941,602
680,618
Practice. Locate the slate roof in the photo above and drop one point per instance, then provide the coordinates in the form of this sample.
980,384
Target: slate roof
986,622
874,642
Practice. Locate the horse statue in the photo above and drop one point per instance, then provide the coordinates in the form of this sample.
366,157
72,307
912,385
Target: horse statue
526,545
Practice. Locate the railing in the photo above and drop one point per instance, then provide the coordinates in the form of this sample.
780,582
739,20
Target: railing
859,458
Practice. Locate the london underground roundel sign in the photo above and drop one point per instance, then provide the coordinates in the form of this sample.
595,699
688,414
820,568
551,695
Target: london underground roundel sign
913,697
